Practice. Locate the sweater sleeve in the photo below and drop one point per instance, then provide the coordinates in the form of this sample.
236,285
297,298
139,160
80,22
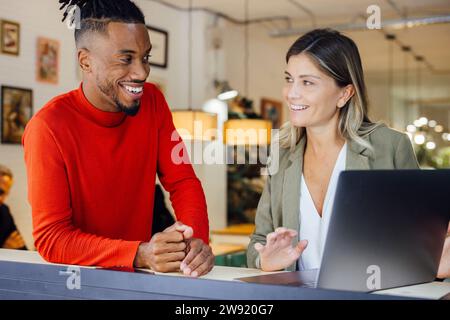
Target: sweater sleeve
56,238
177,176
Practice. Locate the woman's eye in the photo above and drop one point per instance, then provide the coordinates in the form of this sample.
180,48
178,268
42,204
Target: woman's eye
307,83
289,80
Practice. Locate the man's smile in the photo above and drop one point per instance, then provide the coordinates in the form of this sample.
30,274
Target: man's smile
134,91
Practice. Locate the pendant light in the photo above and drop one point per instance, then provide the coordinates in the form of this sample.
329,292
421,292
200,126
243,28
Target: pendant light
194,124
247,131
225,91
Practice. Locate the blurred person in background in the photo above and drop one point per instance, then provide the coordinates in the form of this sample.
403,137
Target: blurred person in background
10,237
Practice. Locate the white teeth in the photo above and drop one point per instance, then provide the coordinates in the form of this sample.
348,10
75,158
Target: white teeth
133,90
298,107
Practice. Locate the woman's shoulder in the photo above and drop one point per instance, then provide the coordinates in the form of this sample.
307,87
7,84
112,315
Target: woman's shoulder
384,135
392,148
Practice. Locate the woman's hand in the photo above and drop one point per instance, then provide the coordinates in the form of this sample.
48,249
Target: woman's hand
279,253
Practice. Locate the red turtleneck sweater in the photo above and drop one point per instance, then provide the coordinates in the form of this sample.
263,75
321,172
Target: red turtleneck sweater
91,179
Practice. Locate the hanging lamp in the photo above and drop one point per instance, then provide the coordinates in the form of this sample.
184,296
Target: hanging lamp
247,131
194,124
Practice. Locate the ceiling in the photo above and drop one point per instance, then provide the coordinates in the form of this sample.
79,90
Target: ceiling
320,8
430,41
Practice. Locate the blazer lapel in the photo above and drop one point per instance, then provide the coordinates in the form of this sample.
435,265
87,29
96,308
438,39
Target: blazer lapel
291,188
291,191
357,157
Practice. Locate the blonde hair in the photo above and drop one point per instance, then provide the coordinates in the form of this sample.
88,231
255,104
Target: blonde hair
337,56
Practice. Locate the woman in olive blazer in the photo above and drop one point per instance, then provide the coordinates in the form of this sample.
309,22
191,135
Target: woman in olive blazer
327,100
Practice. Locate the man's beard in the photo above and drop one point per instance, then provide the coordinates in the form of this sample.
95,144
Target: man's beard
108,90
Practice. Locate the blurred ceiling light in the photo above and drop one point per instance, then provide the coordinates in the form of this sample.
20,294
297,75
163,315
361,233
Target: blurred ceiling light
417,123
419,139
423,121
432,123
430,145
411,128
439,128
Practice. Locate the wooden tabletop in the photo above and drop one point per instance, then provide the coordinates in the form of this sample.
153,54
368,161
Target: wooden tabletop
220,249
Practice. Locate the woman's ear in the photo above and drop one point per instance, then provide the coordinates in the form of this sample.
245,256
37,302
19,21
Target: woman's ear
347,93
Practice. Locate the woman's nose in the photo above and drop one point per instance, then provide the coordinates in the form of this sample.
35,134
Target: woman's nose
294,92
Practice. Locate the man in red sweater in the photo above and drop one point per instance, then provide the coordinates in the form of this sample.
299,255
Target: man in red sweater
92,156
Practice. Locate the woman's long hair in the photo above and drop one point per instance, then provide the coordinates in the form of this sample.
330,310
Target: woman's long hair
337,56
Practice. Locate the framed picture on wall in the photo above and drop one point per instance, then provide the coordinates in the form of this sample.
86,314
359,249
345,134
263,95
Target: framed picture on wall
160,46
47,61
272,110
16,111
10,37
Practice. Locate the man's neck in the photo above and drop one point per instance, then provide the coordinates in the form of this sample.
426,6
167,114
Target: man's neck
94,96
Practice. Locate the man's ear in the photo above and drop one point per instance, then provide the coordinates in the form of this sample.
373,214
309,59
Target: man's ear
84,60
347,93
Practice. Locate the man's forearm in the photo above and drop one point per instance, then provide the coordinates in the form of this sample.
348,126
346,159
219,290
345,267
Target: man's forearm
139,261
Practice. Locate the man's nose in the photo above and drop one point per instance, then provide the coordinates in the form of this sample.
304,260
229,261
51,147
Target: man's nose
140,71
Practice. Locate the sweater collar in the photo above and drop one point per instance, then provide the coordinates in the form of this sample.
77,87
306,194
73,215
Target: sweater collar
100,117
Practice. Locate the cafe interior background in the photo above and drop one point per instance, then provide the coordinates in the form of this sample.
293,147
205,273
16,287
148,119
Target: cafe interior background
203,48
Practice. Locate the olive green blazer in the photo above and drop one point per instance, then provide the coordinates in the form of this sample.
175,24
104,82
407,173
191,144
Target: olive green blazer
280,200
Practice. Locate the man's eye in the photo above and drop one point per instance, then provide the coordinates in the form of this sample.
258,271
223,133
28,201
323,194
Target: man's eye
307,83
126,60
147,58
288,80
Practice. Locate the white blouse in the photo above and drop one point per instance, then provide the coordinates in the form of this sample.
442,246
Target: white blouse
313,227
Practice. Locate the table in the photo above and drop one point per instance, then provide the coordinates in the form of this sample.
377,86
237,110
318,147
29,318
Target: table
25,275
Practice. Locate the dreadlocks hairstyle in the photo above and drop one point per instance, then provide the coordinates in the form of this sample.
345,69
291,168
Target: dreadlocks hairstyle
95,15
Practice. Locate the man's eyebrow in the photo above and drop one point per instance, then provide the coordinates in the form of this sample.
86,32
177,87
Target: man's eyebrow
128,51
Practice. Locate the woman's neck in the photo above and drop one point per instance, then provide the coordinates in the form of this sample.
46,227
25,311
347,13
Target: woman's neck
322,140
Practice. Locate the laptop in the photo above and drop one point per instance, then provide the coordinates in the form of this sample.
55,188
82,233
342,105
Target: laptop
387,230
